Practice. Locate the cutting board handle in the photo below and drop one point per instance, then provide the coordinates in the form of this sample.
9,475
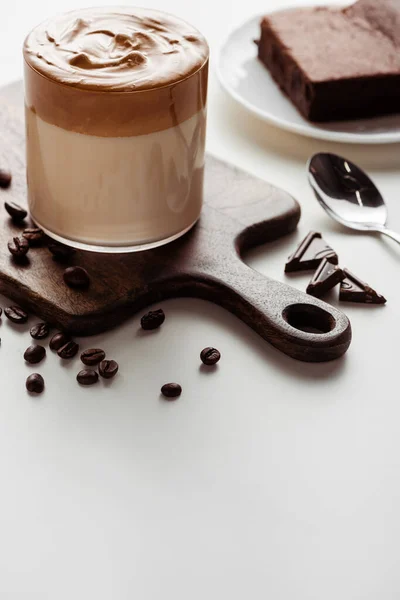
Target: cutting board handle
299,325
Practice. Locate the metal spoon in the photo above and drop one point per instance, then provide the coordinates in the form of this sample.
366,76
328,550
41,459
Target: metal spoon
348,195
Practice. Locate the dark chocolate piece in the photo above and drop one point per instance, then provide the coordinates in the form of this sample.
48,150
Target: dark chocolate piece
336,63
312,250
353,289
325,278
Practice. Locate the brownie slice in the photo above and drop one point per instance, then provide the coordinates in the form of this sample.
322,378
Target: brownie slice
336,64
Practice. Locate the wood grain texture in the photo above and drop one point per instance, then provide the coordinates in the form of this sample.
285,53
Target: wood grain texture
240,212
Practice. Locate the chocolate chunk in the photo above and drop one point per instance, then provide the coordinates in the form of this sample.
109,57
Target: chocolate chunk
34,354
5,178
18,247
59,340
34,236
61,252
16,314
210,356
325,278
353,289
92,356
171,390
35,383
312,250
69,350
152,320
16,212
76,277
40,331
87,377
108,368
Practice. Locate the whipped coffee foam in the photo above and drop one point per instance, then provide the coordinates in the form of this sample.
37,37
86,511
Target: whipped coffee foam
116,49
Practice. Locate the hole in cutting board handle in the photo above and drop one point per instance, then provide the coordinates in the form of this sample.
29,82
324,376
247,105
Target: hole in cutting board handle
309,318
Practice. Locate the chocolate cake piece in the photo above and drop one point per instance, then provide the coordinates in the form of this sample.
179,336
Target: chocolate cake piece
353,289
336,64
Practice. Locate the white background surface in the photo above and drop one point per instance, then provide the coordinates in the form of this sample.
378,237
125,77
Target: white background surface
268,478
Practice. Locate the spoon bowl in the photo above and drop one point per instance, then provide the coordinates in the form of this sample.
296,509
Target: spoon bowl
347,194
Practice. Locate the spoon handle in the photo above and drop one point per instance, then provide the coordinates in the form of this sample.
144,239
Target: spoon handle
392,234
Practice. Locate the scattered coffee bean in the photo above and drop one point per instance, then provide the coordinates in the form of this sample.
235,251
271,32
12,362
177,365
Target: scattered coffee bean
40,331
60,252
210,356
59,340
16,314
76,277
18,247
16,212
34,236
171,390
108,368
69,350
92,356
34,354
153,319
5,178
35,383
87,377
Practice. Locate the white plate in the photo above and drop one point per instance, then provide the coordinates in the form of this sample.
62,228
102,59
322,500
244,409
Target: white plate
249,82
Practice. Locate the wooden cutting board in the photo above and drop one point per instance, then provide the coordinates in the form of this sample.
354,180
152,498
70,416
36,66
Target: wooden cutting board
240,212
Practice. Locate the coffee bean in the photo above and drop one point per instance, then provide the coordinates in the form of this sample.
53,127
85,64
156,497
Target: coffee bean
69,350
92,356
76,277
35,383
34,236
59,340
40,331
5,178
34,354
171,390
18,247
16,314
153,319
16,212
210,356
87,377
60,252
108,368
